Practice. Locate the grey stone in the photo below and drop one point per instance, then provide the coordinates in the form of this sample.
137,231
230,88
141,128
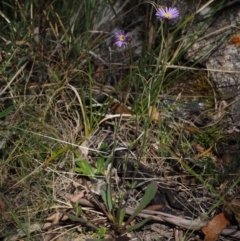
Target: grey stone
214,49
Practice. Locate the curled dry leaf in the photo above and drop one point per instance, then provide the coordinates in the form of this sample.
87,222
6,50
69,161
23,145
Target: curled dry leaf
198,147
154,114
214,227
235,39
119,108
206,152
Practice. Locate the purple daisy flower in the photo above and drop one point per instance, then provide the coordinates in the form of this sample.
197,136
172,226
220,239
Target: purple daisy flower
167,13
122,39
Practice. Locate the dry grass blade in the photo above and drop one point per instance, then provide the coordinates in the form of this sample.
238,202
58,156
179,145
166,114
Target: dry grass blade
13,78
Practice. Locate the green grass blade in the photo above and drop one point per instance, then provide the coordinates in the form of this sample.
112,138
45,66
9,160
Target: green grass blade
6,111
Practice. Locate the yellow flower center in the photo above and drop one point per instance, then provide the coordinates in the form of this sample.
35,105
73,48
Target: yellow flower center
121,37
167,15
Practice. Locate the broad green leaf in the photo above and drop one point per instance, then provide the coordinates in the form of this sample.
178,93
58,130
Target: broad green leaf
148,196
84,168
109,197
101,231
106,194
103,146
122,215
100,165
138,225
78,210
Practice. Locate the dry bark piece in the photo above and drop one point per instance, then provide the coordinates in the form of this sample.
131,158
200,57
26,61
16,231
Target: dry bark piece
214,227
